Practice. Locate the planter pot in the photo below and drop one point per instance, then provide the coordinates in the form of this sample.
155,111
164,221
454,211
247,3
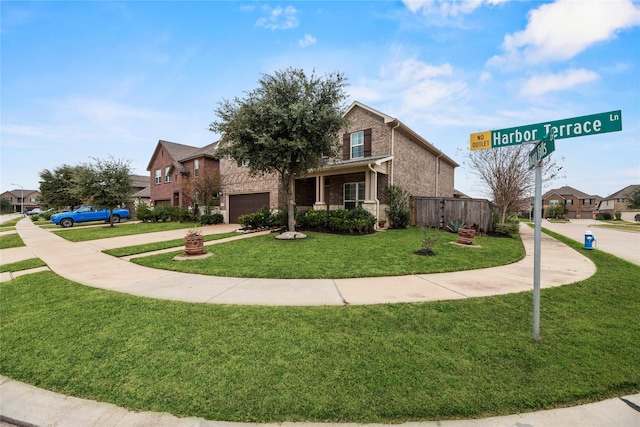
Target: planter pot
381,224
466,235
194,245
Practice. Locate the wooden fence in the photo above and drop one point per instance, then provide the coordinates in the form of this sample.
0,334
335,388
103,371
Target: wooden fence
439,212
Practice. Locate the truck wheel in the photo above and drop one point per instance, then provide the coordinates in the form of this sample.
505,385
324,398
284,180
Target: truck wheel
116,219
66,223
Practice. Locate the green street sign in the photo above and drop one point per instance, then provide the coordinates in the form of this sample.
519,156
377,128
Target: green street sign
542,149
567,128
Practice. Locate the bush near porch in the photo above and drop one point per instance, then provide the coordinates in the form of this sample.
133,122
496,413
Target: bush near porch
353,221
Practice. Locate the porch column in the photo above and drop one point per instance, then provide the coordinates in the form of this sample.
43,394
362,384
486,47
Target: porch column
319,204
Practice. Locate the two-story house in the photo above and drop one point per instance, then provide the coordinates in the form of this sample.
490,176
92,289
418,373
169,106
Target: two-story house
377,151
22,199
617,202
578,205
170,164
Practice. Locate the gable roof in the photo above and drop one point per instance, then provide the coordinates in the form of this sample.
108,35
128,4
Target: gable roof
140,181
624,193
393,122
18,192
181,152
569,191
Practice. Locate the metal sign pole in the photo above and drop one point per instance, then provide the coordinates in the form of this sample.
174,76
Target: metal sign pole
536,251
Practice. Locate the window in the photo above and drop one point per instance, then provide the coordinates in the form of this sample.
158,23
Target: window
167,174
357,145
196,167
586,201
553,202
568,202
158,176
353,194
245,162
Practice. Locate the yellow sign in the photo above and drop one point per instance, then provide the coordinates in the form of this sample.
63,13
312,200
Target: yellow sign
480,140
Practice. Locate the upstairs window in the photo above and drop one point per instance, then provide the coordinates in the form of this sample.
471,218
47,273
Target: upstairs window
568,202
167,174
196,167
158,176
586,201
357,145
553,202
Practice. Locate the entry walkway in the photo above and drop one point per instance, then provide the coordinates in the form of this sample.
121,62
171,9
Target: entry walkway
86,264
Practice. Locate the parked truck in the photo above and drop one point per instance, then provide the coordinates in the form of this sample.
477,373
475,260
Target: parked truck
88,213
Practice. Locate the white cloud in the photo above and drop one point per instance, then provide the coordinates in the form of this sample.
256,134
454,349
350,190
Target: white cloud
279,18
447,7
544,83
559,31
307,40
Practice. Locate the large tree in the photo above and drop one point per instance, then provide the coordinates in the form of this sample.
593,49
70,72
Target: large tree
104,183
285,126
505,176
633,200
57,187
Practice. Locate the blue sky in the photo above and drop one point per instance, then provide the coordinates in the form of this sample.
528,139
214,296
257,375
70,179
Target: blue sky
94,79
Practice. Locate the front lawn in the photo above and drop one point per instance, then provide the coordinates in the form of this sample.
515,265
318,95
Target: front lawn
26,264
322,255
386,363
150,247
105,231
12,240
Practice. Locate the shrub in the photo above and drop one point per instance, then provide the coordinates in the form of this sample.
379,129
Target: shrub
603,216
46,215
264,218
354,221
399,210
211,218
618,215
429,240
456,225
35,217
144,213
507,228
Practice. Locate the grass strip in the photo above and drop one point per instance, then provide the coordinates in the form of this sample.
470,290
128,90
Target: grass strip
385,363
150,247
12,240
10,223
22,265
323,255
102,232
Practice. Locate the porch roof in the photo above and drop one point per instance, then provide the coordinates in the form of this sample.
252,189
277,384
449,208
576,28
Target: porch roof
340,165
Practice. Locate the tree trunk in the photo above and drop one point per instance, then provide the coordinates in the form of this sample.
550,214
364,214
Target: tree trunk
111,217
291,225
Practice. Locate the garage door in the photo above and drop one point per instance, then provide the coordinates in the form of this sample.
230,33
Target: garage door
240,204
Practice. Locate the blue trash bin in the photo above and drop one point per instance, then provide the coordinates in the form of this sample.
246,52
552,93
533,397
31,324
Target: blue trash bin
589,240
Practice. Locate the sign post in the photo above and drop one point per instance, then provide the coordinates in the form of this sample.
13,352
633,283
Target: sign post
532,134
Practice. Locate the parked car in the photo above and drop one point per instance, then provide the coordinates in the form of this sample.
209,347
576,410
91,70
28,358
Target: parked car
86,214
35,211
637,217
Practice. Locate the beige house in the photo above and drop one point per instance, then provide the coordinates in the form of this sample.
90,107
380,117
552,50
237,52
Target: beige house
377,151
617,202
22,199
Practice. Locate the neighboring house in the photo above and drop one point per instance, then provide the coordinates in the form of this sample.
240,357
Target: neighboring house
31,199
578,205
170,164
377,151
140,193
617,202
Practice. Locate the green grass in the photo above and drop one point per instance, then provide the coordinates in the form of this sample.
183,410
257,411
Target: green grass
12,240
150,247
621,225
22,265
105,231
384,363
9,225
323,255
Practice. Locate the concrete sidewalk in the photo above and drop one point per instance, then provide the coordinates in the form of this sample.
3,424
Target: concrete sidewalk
86,264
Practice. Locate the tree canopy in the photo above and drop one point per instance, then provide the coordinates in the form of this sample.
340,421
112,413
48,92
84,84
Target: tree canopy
104,183
57,187
506,177
285,126
633,200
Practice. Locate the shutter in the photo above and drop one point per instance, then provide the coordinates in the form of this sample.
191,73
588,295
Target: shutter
367,142
346,146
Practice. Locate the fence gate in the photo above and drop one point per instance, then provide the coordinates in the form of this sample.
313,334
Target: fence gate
439,212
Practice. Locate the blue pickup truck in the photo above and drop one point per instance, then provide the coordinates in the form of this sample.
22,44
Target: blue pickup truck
88,213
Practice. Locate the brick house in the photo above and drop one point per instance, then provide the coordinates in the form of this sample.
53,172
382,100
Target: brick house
377,151
31,199
170,164
617,202
579,205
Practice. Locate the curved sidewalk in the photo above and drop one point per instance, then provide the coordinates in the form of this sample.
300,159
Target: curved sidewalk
86,264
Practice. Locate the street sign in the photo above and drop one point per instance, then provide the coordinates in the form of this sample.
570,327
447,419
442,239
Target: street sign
566,128
543,148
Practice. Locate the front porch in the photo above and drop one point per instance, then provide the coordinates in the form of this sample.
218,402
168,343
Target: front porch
345,185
